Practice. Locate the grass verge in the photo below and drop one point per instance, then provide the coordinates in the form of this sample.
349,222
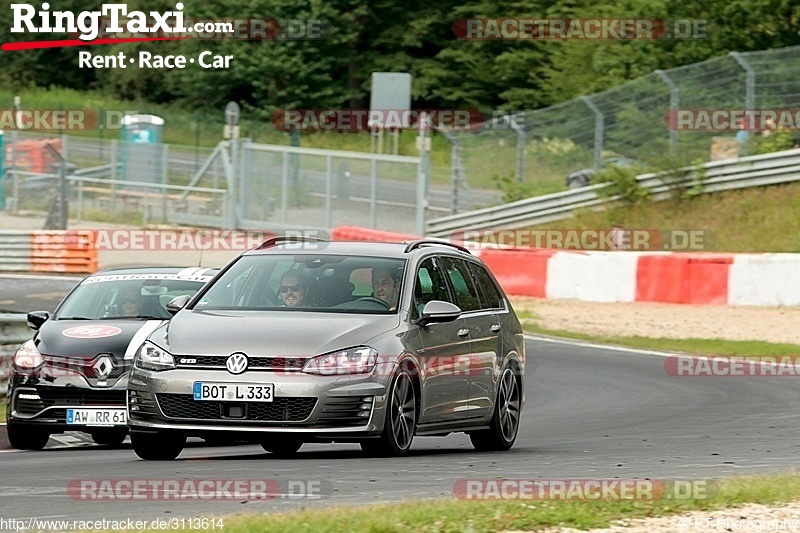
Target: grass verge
3,410
693,346
517,515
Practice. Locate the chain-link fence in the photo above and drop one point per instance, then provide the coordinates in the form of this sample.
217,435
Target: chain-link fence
537,151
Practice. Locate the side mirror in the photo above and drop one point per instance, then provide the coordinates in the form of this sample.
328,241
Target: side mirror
438,311
37,318
177,303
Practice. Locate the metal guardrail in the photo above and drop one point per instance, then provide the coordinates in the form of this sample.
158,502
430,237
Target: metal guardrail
13,332
751,171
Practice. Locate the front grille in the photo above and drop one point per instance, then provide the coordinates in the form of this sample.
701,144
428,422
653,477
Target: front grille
253,363
83,367
349,411
281,410
75,396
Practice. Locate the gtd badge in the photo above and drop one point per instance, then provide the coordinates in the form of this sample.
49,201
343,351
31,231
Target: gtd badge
236,363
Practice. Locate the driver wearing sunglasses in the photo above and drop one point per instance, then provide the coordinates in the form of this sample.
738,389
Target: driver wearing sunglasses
294,289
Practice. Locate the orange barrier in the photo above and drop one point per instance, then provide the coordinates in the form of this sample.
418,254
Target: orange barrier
519,272
63,251
33,155
353,233
683,278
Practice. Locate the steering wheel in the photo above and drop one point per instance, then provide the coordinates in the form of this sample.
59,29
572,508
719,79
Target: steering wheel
374,300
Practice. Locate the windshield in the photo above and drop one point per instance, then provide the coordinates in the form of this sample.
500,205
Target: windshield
319,283
143,296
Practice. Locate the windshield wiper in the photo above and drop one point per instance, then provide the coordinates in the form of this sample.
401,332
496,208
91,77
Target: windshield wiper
75,318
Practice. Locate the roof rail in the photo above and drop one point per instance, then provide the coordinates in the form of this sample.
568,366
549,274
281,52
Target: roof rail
413,245
275,241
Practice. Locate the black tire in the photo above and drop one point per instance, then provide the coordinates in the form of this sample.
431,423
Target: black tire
113,437
157,446
285,447
26,437
400,423
504,424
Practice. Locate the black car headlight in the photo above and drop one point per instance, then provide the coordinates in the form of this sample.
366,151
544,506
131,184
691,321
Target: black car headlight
358,360
27,357
152,357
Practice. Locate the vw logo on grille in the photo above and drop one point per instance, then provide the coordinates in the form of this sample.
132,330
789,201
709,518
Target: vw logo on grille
236,363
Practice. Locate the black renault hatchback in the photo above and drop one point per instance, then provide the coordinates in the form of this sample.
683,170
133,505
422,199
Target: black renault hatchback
72,375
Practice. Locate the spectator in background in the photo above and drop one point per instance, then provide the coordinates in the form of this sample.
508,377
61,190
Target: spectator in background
742,137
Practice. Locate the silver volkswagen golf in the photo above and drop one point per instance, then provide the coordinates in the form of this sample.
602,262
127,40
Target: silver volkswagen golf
308,341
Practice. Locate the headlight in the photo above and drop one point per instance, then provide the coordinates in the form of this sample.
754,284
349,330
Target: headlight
357,360
27,357
151,357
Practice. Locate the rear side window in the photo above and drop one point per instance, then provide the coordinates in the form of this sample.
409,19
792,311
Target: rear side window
430,285
490,297
460,279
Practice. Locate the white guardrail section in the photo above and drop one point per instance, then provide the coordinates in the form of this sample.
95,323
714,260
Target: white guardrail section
14,331
740,173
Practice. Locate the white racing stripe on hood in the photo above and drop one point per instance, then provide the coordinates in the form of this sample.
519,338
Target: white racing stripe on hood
191,271
138,338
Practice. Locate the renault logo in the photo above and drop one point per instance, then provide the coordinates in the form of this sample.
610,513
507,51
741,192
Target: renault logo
103,367
236,363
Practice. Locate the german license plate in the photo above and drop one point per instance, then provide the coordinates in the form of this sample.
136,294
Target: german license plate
96,417
232,392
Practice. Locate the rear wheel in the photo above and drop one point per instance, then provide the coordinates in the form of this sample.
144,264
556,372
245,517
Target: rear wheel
504,425
157,446
26,437
401,420
283,447
110,438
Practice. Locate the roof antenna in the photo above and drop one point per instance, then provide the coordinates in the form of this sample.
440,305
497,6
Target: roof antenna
200,260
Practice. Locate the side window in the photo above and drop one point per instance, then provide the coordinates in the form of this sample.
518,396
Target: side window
461,281
430,285
490,297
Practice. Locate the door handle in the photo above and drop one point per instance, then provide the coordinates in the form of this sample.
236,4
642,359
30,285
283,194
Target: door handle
496,328
463,332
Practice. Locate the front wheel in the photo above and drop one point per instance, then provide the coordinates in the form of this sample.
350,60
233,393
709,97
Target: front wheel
157,446
26,437
400,423
504,425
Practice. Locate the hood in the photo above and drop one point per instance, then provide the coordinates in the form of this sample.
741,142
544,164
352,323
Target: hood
271,333
85,339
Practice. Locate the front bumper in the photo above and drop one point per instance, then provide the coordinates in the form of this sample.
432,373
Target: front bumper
46,406
307,404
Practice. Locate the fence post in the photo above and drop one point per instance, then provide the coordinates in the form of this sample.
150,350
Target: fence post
285,187
521,140
165,181
373,192
422,179
328,189
750,81
674,96
598,131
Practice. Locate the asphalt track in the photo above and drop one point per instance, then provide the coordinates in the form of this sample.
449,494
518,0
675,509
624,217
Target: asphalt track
591,412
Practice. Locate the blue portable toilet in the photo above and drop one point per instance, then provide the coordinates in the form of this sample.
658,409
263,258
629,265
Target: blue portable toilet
141,154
